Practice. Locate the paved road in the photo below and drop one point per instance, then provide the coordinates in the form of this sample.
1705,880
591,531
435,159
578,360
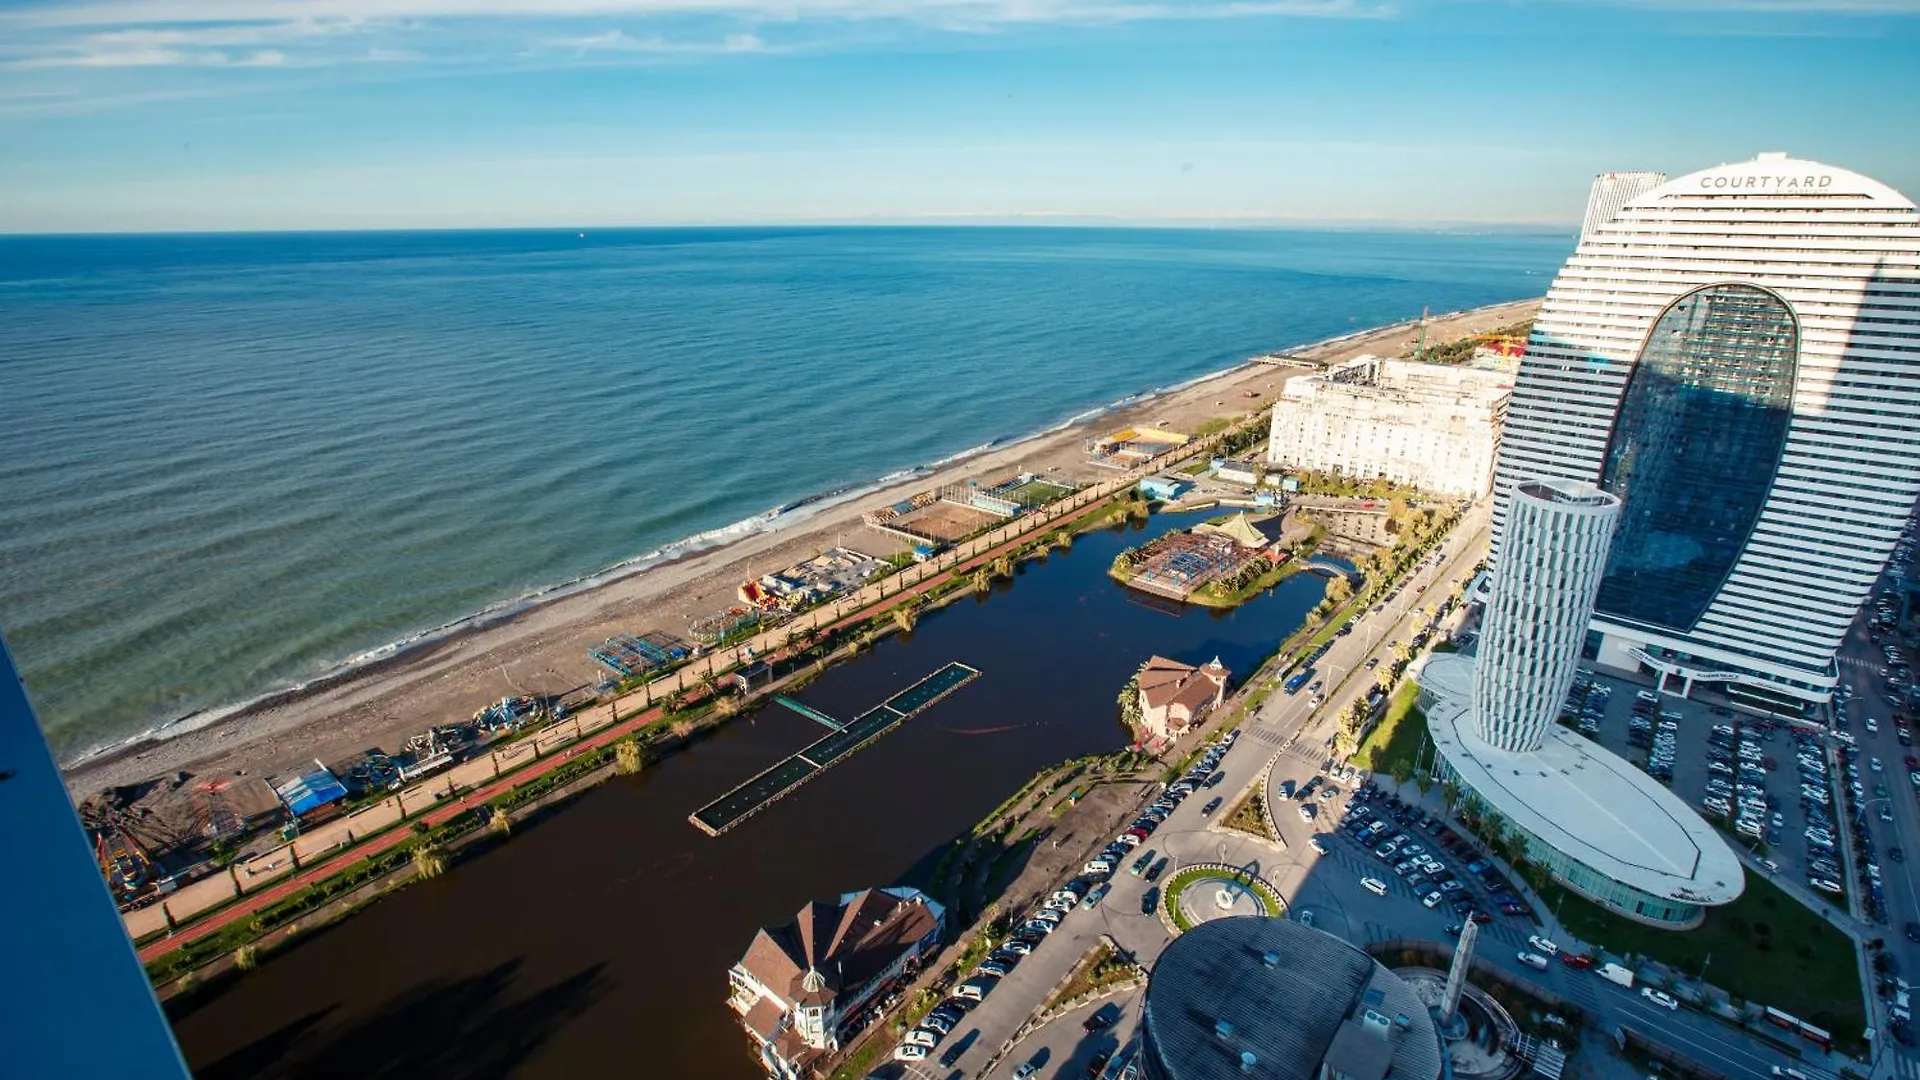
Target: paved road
1860,664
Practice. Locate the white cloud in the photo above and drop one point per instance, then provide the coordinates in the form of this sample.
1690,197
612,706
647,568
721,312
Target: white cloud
208,12
619,41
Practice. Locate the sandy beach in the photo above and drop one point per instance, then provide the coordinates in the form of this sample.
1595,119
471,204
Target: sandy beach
543,649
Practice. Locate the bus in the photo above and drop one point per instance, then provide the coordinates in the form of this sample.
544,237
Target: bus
1299,679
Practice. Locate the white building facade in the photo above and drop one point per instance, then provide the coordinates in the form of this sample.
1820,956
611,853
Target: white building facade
1733,354
1597,823
1613,190
1435,427
1558,535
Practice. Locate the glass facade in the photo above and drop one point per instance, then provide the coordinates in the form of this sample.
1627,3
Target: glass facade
1694,448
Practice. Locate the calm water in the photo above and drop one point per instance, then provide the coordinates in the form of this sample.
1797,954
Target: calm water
234,462
597,942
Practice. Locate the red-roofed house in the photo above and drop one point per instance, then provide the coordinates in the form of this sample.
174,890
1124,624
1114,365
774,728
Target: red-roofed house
1174,696
800,985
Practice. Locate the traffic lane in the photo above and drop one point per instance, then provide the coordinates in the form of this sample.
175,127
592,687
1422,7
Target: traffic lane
1012,999
1065,1048
1699,1035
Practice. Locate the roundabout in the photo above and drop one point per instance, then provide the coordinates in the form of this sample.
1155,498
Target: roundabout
1207,891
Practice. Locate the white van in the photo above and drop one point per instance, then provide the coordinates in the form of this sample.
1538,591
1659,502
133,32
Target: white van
1374,886
1097,866
1534,960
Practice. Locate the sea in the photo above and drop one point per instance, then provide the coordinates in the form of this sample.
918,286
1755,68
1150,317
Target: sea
236,463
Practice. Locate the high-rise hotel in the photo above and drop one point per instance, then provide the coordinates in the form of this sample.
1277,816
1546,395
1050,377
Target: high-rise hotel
1735,354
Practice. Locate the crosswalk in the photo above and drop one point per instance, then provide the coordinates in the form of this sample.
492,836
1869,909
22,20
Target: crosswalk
1906,1067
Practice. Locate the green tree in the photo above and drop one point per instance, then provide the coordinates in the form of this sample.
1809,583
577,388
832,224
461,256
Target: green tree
627,756
1402,770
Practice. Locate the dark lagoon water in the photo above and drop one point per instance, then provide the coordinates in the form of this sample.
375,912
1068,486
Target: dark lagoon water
597,941
235,462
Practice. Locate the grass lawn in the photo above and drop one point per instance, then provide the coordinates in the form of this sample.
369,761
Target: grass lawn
1766,948
1037,493
1398,735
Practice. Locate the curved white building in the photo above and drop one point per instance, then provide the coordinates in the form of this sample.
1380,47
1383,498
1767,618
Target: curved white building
1558,534
1736,355
1598,824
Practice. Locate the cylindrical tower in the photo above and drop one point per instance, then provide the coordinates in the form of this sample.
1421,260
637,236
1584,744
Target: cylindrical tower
1555,550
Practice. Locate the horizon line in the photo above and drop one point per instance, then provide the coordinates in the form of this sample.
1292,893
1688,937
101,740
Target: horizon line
983,221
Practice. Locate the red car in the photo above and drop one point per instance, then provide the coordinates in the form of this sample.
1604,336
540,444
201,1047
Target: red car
1481,917
1576,962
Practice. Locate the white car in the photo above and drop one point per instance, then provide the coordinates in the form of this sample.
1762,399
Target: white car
923,1038
1659,997
1432,899
1533,960
1317,844
1542,945
1374,886
909,1052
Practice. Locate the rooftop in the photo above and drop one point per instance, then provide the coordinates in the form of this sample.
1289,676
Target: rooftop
1582,799
1567,493
844,944
1271,998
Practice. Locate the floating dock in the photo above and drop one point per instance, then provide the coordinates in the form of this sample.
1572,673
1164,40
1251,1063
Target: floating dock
783,778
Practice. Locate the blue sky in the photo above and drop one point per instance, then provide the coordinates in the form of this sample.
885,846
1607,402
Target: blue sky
263,114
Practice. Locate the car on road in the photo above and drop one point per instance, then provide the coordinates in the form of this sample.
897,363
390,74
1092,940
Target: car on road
1306,812
1098,1062
1543,945
1103,1017
1913,931
1576,961
1026,1070
1157,869
1533,960
1374,886
1212,805
1320,846
1432,899
1139,865
1659,997
1149,900
1098,894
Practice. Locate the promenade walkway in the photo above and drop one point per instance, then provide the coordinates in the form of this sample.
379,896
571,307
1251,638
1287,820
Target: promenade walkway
207,905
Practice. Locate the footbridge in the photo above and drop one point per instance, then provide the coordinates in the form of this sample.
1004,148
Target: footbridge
810,713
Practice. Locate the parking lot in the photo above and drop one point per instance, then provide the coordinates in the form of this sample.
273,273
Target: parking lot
1768,785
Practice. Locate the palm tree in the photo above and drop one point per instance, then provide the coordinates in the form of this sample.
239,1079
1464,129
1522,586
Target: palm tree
429,861
903,618
1402,771
982,580
627,757
1003,566
246,957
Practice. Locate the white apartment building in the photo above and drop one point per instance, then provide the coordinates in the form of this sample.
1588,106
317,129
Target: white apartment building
1612,191
1433,426
1736,355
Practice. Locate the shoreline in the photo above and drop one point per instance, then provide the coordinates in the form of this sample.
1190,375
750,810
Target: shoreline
441,674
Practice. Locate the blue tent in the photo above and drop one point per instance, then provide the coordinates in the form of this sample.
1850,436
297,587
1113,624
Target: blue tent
310,792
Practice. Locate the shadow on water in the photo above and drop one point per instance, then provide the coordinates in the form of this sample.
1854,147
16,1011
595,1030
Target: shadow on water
620,885
468,1027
